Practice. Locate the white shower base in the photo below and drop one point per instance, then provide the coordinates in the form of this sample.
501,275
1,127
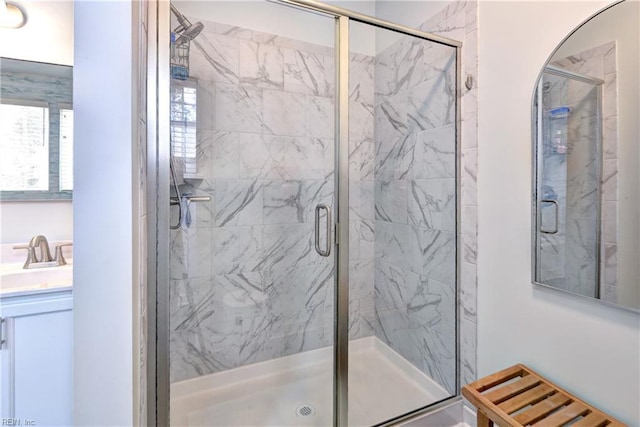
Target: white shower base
382,385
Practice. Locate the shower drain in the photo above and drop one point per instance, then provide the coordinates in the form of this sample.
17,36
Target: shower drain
305,410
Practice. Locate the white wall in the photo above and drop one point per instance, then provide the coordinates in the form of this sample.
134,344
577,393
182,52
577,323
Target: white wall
591,349
304,26
103,276
411,13
20,221
46,37
270,18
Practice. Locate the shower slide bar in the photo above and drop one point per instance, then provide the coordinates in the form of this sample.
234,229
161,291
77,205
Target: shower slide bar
184,216
187,199
190,199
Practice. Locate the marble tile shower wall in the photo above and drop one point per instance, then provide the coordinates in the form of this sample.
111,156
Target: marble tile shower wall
554,177
552,251
250,151
415,199
247,284
362,318
582,190
600,62
459,21
415,204
568,257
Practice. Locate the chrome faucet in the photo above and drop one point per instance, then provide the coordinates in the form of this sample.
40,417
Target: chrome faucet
38,254
41,242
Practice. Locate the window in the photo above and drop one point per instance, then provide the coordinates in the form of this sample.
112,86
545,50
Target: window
24,144
183,127
36,131
66,149
36,142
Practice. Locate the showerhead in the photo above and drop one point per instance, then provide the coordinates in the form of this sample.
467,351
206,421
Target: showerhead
185,31
193,31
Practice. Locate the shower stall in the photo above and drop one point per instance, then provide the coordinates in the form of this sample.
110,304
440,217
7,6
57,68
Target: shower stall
307,190
568,215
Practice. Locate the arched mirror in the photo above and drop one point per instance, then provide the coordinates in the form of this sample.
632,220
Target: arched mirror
586,139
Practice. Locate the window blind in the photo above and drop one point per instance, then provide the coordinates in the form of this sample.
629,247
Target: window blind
24,143
183,127
66,149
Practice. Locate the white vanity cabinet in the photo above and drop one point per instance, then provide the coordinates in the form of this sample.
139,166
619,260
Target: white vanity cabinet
36,358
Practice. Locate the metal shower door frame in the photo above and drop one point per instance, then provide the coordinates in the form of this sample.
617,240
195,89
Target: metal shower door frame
158,82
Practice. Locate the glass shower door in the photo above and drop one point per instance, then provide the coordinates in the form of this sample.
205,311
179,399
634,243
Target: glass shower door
252,273
568,230
402,200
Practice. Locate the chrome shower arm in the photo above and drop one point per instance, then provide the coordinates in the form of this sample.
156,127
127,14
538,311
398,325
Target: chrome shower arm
182,20
186,30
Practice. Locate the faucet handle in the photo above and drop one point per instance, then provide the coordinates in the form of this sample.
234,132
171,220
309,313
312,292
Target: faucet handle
59,257
31,254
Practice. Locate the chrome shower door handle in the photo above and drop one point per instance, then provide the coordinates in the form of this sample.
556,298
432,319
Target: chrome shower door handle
557,213
326,252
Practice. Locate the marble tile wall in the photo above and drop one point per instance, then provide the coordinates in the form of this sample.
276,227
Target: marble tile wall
553,251
362,318
469,198
568,258
415,204
415,199
582,185
246,282
459,21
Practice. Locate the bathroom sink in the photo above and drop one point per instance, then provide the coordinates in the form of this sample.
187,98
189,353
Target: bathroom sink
13,278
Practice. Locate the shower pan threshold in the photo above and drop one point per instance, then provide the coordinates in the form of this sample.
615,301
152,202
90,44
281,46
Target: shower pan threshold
297,390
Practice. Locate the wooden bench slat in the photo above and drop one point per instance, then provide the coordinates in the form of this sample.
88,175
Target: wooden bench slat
499,377
508,391
592,420
563,416
542,409
613,422
527,398
495,414
540,402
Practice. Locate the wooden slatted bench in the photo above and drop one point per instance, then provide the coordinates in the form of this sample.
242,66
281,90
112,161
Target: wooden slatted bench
517,396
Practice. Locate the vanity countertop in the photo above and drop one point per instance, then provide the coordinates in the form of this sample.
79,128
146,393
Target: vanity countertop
15,280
